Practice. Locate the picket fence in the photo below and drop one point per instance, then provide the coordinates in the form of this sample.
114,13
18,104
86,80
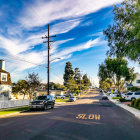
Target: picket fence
13,103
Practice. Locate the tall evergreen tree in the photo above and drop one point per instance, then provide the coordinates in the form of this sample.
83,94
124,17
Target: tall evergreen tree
77,76
69,73
86,81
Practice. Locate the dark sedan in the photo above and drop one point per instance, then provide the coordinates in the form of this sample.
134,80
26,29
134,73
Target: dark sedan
42,102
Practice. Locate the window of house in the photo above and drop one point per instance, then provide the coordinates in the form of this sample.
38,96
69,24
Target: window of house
3,77
138,81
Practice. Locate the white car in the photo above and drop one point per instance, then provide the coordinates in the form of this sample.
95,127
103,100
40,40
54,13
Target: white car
58,96
123,95
113,95
72,99
132,95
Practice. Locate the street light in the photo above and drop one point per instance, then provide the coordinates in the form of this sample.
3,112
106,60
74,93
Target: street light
55,59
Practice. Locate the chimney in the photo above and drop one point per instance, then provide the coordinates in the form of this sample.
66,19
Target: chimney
2,64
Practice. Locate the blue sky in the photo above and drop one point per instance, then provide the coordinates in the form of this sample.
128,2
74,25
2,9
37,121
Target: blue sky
78,25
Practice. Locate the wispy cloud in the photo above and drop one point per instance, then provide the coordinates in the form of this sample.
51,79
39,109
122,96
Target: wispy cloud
12,46
14,51
64,27
80,47
41,12
97,34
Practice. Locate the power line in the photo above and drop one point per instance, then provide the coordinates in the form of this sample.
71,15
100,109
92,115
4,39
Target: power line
19,59
56,74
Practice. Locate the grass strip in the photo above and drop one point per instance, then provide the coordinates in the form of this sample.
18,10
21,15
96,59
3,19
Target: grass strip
13,110
61,100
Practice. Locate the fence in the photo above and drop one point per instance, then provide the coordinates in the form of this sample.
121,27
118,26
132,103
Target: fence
13,103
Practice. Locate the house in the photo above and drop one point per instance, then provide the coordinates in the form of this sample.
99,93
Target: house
52,92
5,81
136,82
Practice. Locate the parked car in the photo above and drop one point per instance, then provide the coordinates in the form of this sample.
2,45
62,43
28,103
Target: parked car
58,96
67,95
104,97
113,94
72,99
132,95
123,94
42,102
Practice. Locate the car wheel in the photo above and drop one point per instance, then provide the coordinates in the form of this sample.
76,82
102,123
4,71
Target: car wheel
45,107
133,99
52,107
31,109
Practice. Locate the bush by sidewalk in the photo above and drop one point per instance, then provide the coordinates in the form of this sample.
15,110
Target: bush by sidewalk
122,100
132,102
136,104
116,98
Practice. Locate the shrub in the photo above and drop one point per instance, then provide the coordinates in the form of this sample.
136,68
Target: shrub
122,100
133,89
133,102
137,103
116,98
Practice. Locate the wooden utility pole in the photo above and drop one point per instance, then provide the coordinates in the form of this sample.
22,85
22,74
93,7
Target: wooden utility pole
48,68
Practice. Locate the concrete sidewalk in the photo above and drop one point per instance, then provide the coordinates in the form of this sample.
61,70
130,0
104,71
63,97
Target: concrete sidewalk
134,111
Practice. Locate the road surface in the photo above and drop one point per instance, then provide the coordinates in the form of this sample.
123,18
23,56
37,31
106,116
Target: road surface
89,118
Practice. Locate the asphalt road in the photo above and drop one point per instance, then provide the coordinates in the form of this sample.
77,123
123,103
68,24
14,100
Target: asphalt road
102,121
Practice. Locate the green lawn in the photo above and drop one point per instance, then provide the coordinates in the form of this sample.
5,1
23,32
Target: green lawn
9,111
61,100
116,98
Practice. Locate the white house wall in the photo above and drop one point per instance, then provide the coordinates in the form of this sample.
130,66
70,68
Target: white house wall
5,88
135,82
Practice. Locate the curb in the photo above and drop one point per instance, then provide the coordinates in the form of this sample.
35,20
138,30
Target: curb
11,114
128,108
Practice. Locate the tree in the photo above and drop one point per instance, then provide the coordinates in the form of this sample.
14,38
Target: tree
106,84
69,73
86,81
33,82
21,86
72,86
77,76
59,87
124,35
116,70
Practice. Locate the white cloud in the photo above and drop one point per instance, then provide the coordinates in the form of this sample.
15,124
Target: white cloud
97,34
64,27
136,65
18,60
95,81
42,12
58,28
12,46
87,45
57,78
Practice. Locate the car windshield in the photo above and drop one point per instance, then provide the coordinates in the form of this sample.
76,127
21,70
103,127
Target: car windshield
41,98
